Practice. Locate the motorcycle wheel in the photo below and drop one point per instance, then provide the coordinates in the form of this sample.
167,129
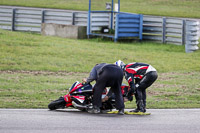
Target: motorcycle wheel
57,104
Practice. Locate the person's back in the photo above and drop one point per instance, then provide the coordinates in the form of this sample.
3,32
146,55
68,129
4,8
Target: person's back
138,69
106,75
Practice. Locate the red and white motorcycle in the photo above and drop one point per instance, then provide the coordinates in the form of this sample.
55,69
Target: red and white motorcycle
80,96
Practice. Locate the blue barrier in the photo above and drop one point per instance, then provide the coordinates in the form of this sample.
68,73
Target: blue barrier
128,25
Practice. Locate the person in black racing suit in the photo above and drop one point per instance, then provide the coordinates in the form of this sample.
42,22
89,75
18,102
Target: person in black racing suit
139,76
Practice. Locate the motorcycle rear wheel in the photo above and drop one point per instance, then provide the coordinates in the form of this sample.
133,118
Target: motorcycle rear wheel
57,104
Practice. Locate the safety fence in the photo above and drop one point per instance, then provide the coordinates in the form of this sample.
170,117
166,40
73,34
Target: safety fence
30,19
99,20
165,30
172,30
128,25
125,25
161,29
191,36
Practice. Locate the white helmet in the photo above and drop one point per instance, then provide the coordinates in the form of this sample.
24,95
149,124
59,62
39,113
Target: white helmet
120,64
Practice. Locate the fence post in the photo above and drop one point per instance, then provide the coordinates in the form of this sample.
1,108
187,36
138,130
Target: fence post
183,32
73,18
13,19
43,15
141,27
116,27
164,30
111,23
88,20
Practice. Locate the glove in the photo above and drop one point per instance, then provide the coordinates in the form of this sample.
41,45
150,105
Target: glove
130,97
133,90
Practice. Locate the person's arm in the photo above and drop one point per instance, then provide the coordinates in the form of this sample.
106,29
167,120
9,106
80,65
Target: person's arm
130,78
92,76
109,94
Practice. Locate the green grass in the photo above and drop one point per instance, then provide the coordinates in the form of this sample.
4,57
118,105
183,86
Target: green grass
33,90
174,90
25,51
25,89
36,69
173,8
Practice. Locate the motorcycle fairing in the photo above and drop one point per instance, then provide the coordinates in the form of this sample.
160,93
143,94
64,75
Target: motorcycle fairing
80,88
81,99
68,100
75,88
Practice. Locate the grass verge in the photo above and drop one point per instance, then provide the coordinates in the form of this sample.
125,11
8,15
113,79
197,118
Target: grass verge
36,69
26,89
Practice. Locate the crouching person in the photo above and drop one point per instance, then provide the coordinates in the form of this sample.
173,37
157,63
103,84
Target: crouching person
139,76
106,75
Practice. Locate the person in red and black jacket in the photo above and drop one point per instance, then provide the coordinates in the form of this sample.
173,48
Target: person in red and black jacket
139,76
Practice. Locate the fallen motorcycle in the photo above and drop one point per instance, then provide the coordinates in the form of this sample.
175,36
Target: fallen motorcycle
80,96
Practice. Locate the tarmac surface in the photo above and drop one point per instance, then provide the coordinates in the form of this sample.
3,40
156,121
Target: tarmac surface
74,121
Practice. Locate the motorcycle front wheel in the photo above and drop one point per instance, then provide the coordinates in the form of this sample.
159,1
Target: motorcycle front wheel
57,104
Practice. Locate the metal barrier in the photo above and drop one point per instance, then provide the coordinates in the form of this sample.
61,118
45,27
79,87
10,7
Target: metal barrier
125,25
30,19
6,18
26,20
161,29
191,36
128,25
172,30
99,20
165,30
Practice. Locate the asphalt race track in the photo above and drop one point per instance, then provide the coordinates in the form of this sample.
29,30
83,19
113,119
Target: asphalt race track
74,121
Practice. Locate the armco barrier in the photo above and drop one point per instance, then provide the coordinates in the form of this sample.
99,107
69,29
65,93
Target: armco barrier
98,20
6,18
30,19
161,29
172,30
191,36
165,30
27,20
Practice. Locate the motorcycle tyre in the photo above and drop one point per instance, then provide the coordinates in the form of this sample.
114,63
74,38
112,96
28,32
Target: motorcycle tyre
57,104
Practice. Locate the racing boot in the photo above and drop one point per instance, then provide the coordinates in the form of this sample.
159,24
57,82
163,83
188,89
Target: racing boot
121,111
136,110
94,110
140,105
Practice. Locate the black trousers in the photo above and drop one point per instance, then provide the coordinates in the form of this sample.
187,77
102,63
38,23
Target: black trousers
144,83
111,76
